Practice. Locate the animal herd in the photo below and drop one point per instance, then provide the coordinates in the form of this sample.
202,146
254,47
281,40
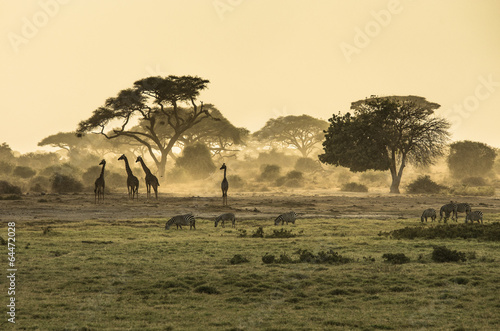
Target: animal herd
150,179
453,209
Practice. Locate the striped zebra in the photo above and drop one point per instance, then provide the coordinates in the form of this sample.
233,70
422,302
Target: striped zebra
463,208
225,217
450,208
180,220
474,216
286,217
431,213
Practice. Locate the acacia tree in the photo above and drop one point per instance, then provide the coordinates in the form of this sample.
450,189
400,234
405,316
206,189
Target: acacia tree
156,102
470,159
300,132
386,133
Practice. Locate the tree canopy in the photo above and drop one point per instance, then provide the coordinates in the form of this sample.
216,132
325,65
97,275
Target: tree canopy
386,133
470,159
155,102
302,132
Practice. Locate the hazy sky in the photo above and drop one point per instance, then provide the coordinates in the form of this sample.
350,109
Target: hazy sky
60,59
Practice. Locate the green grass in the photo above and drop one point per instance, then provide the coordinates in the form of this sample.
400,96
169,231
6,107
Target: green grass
136,275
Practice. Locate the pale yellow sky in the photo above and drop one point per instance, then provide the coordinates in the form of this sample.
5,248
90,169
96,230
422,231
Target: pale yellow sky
264,58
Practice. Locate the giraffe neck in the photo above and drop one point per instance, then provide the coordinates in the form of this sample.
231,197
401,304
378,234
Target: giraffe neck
127,167
224,173
102,170
145,168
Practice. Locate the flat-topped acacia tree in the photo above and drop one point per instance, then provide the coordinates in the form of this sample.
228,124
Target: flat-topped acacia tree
386,133
157,103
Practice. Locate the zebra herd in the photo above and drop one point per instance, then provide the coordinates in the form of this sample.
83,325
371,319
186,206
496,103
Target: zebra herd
453,209
188,219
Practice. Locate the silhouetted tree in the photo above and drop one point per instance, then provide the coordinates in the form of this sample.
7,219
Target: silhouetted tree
470,159
155,102
197,161
386,133
300,132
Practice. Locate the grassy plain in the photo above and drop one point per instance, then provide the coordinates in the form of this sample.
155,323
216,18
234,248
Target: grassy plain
133,274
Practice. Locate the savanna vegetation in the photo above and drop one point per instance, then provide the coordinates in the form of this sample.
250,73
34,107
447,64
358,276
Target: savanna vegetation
331,274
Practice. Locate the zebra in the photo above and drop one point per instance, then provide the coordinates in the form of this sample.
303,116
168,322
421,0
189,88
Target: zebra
286,217
225,217
474,216
180,220
428,213
463,207
450,208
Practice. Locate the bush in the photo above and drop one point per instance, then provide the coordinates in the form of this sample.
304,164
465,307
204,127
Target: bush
305,164
65,184
197,161
443,254
7,188
206,289
293,178
474,181
23,172
487,191
270,172
423,185
282,234
328,257
398,258
235,181
259,233
39,184
488,232
237,259
268,259
6,167
353,187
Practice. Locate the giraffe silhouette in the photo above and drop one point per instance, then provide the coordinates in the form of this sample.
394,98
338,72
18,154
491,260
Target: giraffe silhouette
224,186
132,181
99,184
151,180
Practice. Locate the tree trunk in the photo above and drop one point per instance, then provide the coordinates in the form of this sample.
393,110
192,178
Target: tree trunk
396,175
396,180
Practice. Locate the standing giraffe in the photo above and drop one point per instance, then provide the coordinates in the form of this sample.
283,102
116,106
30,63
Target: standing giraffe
151,179
224,186
99,184
132,181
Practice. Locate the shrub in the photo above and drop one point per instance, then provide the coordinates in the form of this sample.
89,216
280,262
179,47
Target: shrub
398,258
489,232
282,234
474,181
236,181
270,172
443,254
23,172
7,188
6,167
65,184
353,187
39,184
306,164
237,259
197,161
293,178
268,259
424,184
259,233
206,289
473,191
328,257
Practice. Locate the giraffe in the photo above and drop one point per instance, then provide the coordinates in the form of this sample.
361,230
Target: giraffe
224,186
132,181
151,179
99,184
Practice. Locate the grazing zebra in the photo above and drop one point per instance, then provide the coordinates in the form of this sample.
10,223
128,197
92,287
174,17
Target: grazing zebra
181,220
450,208
286,217
428,213
463,208
474,216
225,217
